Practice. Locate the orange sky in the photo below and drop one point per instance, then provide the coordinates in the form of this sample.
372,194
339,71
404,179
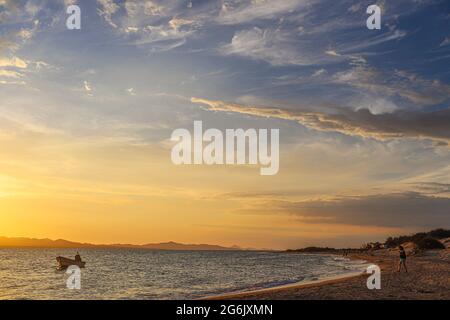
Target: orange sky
106,192
86,118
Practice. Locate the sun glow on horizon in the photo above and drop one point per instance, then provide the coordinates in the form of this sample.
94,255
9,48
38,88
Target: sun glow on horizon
86,118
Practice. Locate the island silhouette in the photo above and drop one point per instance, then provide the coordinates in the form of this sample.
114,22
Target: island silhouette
22,242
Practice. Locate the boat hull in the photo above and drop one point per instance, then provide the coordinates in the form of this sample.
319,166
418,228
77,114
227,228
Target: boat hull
64,263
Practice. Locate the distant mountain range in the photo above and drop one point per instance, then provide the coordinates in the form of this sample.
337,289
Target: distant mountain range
6,242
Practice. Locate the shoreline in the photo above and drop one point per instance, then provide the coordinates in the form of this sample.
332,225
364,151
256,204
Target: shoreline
295,285
428,278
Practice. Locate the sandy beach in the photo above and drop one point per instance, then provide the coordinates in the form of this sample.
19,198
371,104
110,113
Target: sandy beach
428,278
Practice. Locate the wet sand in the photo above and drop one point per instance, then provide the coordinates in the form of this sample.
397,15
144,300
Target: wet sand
428,277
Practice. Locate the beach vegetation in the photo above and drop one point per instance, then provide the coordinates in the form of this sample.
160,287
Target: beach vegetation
430,243
424,240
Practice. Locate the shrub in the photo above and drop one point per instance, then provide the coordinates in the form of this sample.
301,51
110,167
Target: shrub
439,233
417,238
429,243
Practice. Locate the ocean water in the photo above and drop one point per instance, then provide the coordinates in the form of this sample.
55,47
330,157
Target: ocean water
145,274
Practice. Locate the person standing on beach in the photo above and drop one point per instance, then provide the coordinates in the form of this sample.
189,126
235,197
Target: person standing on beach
402,261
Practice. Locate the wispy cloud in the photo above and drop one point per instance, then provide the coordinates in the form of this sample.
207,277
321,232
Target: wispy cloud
13,62
107,9
268,45
150,22
87,87
409,86
13,39
10,74
17,65
445,42
433,188
237,12
275,46
12,82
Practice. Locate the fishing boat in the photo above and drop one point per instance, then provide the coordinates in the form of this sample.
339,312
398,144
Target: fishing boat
64,263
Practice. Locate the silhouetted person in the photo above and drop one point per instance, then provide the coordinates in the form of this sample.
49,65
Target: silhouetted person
77,257
402,261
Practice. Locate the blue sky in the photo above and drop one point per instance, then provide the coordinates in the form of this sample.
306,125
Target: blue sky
315,53
362,113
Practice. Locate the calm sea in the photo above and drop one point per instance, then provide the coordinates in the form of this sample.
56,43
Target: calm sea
145,274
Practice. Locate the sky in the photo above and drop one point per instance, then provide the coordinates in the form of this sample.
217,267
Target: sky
86,118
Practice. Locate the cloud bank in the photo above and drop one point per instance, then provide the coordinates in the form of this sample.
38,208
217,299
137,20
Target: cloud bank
362,123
